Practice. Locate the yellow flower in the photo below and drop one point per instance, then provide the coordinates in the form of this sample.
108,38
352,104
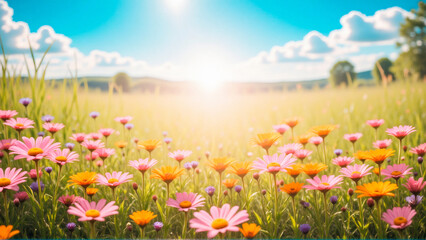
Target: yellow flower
142,218
121,144
6,232
241,169
91,191
304,139
376,190
249,231
323,130
167,173
379,155
220,164
83,179
266,140
361,155
312,169
229,183
294,170
149,145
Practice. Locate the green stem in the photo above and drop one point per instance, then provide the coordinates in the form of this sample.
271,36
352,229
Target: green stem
92,230
142,232
220,189
274,185
6,210
379,221
399,151
325,151
185,220
325,215
40,193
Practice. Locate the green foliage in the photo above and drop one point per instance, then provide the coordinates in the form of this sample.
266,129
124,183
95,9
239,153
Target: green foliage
385,64
412,63
123,81
342,73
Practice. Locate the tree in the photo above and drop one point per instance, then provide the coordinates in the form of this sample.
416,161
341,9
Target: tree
122,80
383,64
342,73
412,60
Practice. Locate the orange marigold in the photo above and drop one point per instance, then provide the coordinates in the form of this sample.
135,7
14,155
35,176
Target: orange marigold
292,189
266,140
323,130
312,169
376,190
167,173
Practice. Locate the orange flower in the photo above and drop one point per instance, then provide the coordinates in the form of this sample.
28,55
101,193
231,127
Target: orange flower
142,218
304,139
91,191
292,188
83,179
167,173
121,144
149,145
220,164
266,140
323,130
294,170
379,155
312,169
229,183
361,155
241,169
292,122
250,231
6,232
376,190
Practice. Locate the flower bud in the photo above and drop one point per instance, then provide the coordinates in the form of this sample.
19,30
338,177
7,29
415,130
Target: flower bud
71,226
154,198
402,158
305,228
135,186
16,202
338,152
304,204
404,148
370,202
129,227
48,169
333,199
343,209
415,174
225,192
238,188
210,190
350,191
263,192
420,160
158,226
256,176
197,171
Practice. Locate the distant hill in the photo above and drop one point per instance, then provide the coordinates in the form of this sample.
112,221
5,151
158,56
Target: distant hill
150,84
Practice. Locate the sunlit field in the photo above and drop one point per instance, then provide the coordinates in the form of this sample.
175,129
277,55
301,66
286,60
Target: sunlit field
220,132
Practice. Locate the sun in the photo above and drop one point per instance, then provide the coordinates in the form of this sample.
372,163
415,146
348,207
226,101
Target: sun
175,6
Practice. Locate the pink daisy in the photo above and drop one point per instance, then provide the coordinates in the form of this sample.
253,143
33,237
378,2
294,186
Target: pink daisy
274,164
5,144
115,179
415,187
352,137
400,131
419,150
220,220
123,120
93,211
143,165
381,144
180,155
19,124
324,184
302,154
106,132
78,137
396,171
104,153
399,218
7,114
186,201
53,127
375,123
61,157
315,140
34,149
10,178
343,161
92,145
356,172
281,129
290,148
69,200
94,136
92,157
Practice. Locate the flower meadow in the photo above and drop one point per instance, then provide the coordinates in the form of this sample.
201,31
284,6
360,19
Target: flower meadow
77,163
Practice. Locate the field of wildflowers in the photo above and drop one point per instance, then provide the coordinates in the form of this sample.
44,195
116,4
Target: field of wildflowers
77,163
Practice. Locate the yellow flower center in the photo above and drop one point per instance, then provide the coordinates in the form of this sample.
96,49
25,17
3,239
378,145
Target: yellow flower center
61,159
185,204
112,180
399,220
35,151
19,125
325,184
4,182
273,164
396,173
93,213
356,172
219,223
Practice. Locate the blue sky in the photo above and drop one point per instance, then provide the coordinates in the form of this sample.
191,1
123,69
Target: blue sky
178,35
